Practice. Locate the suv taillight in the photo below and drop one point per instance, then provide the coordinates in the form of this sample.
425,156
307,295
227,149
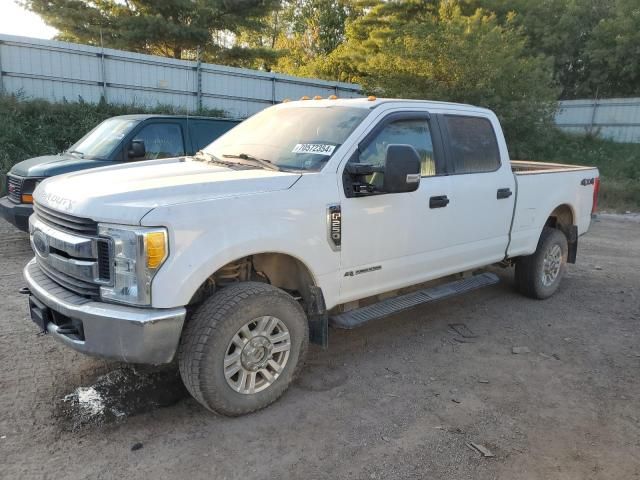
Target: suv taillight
596,191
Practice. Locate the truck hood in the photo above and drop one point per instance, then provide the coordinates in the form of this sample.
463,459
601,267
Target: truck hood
125,193
50,165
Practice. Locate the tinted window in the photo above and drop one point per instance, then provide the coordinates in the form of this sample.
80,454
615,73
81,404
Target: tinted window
161,140
405,132
473,144
205,132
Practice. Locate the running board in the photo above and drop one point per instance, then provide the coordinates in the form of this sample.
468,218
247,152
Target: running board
360,316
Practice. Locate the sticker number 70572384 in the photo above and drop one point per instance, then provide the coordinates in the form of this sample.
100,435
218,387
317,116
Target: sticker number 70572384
317,148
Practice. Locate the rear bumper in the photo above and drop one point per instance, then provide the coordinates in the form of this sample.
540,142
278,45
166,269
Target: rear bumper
118,332
16,213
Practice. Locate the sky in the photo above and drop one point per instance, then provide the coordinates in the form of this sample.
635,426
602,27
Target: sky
14,20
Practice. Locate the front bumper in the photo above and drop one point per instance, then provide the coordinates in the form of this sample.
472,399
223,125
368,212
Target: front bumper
129,334
16,213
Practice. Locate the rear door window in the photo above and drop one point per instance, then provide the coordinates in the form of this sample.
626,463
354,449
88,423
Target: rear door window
161,140
473,144
203,132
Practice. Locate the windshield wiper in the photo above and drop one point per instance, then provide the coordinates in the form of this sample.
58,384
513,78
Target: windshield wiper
208,157
76,151
251,160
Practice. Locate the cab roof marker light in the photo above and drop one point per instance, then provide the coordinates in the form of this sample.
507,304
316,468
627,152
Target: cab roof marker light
371,98
317,97
304,97
286,100
332,97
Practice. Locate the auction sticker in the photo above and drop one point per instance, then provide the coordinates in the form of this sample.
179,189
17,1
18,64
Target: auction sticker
317,148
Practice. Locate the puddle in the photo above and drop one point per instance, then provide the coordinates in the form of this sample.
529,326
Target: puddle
119,394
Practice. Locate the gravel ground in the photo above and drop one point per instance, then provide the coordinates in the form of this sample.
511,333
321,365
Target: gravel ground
400,398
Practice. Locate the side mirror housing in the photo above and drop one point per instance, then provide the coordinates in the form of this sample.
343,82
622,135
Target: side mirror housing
401,169
136,149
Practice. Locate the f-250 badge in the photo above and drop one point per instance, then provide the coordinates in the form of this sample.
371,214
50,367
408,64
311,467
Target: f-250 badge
334,226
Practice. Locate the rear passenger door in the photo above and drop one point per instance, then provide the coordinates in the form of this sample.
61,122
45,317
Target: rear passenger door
482,190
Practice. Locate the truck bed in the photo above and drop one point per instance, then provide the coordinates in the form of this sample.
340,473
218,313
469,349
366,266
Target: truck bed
525,167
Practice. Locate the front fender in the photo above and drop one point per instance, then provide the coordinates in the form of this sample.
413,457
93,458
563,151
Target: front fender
206,235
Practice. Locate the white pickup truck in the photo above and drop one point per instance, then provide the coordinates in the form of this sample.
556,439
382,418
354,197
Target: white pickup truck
308,214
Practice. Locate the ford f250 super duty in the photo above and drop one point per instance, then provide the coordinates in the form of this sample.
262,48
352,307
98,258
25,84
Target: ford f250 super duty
308,214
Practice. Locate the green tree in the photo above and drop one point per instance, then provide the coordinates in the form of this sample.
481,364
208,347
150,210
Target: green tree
594,43
613,53
415,49
298,31
172,28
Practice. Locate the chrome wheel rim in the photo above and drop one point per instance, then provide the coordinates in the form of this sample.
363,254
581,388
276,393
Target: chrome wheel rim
257,355
551,265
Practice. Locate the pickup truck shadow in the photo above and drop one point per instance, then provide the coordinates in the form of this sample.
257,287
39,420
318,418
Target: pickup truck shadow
130,390
126,391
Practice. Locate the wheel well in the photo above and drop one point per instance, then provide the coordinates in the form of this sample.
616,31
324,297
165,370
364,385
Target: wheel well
561,218
278,269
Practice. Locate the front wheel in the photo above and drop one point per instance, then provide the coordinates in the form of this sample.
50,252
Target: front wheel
539,275
243,347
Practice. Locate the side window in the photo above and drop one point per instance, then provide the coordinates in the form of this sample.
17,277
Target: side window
406,132
474,147
205,132
161,140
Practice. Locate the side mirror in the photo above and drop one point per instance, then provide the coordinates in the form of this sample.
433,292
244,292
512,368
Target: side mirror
136,149
401,169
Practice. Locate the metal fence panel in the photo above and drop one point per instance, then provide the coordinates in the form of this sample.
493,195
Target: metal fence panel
617,119
59,71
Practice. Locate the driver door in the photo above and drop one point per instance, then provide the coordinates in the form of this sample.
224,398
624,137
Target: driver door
390,241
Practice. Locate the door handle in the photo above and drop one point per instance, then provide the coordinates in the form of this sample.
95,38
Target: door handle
438,202
504,193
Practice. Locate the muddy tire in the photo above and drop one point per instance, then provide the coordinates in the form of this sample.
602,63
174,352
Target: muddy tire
539,275
242,347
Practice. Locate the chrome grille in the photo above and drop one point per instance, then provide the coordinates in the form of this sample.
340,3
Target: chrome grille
14,188
65,222
79,263
80,287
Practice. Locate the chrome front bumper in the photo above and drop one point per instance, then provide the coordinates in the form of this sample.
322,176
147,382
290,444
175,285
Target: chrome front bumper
129,334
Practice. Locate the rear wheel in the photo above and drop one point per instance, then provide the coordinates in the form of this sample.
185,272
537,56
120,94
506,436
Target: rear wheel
243,347
539,275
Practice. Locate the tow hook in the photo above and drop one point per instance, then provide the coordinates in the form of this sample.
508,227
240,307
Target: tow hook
24,291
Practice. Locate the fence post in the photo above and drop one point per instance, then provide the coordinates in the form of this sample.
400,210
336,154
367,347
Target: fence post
273,90
103,69
593,113
198,80
1,80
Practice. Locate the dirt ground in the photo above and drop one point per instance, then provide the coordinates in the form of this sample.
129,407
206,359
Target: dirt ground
399,398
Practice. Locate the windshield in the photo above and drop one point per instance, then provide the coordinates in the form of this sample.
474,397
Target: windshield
297,138
100,142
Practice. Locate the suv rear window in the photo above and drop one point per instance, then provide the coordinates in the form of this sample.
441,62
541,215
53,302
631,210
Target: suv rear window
473,143
203,132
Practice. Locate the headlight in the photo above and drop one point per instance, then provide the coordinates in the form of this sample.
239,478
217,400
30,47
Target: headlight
136,254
